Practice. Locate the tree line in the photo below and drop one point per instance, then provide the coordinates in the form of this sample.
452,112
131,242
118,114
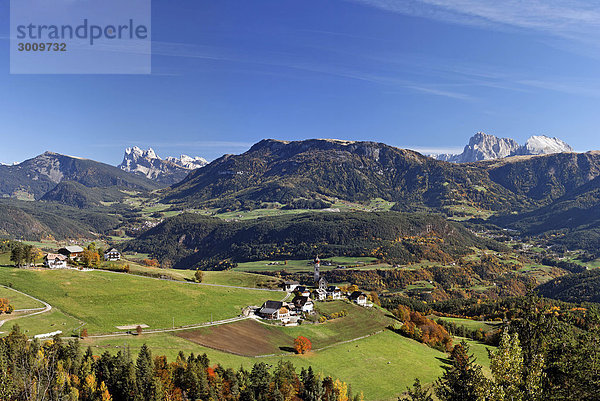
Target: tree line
546,352
59,370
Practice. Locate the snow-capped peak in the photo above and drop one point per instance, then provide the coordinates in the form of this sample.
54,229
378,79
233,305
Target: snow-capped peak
542,145
188,162
150,165
137,152
486,147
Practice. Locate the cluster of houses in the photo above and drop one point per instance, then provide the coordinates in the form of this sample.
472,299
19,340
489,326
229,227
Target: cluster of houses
303,301
73,253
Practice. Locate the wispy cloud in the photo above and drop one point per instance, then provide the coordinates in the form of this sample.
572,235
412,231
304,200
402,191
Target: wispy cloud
567,18
381,76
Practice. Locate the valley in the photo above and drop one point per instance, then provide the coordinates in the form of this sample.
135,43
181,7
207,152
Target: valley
449,250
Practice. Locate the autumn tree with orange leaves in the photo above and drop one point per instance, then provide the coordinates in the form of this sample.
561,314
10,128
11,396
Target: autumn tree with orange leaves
302,345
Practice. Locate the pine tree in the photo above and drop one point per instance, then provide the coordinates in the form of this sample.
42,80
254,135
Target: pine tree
417,393
462,380
145,374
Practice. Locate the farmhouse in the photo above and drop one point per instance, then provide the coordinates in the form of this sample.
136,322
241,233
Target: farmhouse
359,298
302,290
334,292
73,252
319,294
303,304
274,310
112,255
55,261
290,286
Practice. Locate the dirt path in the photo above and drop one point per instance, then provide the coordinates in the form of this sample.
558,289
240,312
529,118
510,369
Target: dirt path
36,311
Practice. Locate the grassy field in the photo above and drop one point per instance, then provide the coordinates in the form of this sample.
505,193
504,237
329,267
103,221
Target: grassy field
233,278
253,338
240,279
303,265
45,323
363,363
468,323
18,300
540,273
104,300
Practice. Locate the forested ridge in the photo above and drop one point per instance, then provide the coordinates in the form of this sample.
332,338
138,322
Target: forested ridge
188,239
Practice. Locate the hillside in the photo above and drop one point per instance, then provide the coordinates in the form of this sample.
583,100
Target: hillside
573,219
34,177
37,220
280,171
188,239
285,172
74,194
544,179
15,223
579,287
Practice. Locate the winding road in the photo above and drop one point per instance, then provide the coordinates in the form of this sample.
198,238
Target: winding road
36,311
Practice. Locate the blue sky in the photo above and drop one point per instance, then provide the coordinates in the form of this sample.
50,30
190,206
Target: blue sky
424,74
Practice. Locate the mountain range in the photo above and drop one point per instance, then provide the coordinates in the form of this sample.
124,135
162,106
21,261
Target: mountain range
488,147
524,192
164,171
35,177
281,171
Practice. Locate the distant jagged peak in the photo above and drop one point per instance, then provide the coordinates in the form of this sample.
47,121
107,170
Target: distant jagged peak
542,144
136,151
168,171
484,146
188,162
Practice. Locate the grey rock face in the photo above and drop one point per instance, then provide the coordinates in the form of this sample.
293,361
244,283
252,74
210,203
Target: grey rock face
488,147
167,171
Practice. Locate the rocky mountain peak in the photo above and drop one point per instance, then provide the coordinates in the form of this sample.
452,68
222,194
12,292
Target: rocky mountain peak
483,146
149,164
542,145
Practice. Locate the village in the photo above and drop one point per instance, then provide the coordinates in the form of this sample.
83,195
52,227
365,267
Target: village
302,305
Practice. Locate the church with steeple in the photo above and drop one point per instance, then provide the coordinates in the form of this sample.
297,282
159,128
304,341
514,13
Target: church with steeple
317,264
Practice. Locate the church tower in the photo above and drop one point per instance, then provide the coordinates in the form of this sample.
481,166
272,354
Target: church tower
317,263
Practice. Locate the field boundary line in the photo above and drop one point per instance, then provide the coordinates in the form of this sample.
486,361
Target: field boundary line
47,306
181,328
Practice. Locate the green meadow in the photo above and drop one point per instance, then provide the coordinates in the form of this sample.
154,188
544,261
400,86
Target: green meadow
382,366
104,300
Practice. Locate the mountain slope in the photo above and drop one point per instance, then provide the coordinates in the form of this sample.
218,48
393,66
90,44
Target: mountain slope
148,164
281,171
574,219
579,287
15,223
544,178
188,239
34,177
37,220
75,194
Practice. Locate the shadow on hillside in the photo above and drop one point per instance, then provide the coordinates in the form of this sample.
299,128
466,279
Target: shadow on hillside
445,361
287,349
